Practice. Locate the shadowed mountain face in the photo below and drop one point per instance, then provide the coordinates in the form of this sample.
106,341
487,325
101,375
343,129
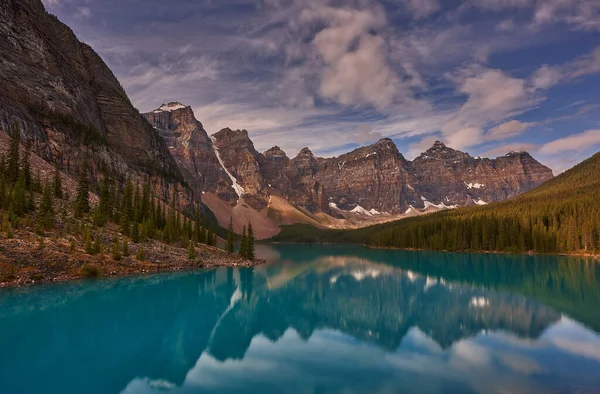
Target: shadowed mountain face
161,328
68,102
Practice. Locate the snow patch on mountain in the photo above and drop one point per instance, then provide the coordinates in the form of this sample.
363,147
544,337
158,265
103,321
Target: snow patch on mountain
169,107
359,209
239,190
480,202
438,206
474,185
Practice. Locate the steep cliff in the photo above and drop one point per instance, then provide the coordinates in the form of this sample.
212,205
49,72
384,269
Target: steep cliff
452,177
375,177
192,149
69,103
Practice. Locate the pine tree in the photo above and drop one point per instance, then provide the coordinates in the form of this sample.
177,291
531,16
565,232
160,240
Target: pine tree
230,236
57,182
3,199
250,243
27,167
18,201
12,166
191,250
116,252
243,244
2,165
127,207
82,200
146,205
210,238
88,246
46,217
135,233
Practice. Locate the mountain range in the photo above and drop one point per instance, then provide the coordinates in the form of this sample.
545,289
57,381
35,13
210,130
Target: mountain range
70,106
370,184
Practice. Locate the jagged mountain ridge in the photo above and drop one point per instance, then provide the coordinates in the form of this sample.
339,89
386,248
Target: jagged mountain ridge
370,180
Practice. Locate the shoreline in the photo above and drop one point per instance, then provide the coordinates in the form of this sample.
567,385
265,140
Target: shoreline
25,262
528,253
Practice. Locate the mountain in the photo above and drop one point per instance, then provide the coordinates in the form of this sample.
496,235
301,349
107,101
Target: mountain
369,185
192,149
560,216
69,104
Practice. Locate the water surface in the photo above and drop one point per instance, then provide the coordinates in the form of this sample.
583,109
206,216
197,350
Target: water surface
316,319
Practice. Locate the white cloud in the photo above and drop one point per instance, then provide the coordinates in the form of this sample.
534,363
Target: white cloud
365,134
353,62
573,142
548,76
506,130
422,8
493,97
513,147
416,148
579,14
51,3
83,13
498,5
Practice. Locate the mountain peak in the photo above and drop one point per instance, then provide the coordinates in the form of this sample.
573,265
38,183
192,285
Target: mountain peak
305,151
172,106
386,142
437,145
275,151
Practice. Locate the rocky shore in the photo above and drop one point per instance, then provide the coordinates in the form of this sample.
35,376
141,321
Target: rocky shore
27,259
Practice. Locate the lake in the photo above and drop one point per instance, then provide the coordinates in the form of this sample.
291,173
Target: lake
315,319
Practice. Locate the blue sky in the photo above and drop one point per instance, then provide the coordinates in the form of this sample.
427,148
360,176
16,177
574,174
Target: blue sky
484,76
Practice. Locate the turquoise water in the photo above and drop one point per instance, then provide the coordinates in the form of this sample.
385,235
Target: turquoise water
315,319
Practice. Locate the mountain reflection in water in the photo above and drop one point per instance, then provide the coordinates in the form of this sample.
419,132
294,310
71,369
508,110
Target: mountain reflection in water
315,319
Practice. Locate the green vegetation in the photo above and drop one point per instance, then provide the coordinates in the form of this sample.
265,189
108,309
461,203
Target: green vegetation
247,243
230,237
560,216
28,202
90,271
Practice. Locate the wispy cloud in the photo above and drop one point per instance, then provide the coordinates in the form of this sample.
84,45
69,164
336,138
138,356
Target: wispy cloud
329,74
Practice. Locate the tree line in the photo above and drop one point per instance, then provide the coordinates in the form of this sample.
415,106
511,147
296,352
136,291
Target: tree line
560,216
27,199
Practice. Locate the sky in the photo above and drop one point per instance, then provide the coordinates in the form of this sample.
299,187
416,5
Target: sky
483,76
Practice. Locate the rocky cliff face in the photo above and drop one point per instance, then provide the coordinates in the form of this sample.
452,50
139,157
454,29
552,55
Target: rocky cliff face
451,177
370,180
69,103
375,177
192,149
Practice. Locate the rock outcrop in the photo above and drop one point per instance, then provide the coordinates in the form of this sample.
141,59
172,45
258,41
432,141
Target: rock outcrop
192,149
451,177
68,103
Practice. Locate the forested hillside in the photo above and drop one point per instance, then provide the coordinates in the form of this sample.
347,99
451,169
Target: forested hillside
561,216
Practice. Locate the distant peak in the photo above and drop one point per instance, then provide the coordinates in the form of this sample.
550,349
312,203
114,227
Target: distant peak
305,151
229,135
172,106
438,145
517,153
275,152
387,142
